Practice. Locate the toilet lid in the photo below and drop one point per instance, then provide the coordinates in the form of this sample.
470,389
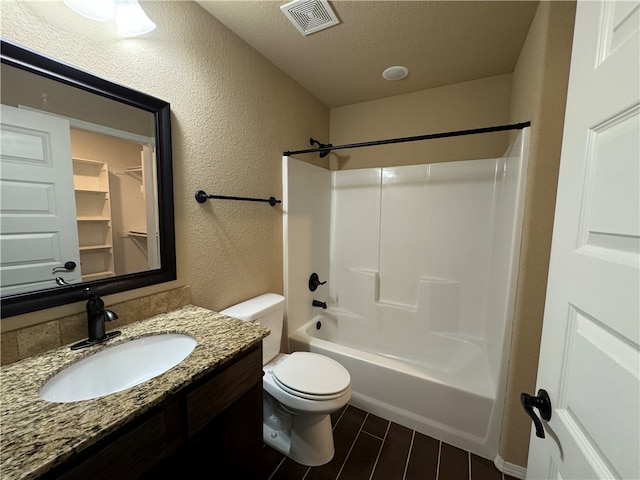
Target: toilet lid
311,375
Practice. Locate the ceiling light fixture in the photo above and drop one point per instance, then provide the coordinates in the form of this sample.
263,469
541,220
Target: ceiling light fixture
100,10
131,21
397,72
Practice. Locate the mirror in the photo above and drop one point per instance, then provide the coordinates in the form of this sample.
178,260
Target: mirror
86,185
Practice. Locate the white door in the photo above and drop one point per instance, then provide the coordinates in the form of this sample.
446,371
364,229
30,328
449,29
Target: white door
589,359
37,203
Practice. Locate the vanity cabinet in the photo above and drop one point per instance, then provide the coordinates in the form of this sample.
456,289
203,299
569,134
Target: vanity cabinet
93,211
213,425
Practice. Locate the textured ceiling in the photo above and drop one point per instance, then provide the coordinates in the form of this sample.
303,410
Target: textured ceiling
441,42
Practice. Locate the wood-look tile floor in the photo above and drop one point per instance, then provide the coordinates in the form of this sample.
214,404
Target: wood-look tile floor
368,447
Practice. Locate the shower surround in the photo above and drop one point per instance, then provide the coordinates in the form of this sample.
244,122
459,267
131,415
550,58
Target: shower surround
421,263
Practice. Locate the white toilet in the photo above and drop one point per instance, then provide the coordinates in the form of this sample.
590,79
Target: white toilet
301,389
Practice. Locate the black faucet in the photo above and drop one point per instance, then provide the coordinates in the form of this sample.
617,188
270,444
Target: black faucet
97,315
318,303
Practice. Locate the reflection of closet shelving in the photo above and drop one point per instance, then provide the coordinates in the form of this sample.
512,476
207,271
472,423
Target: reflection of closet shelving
139,238
135,172
134,234
93,210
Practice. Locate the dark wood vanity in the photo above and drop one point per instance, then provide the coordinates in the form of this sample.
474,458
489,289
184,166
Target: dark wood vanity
213,425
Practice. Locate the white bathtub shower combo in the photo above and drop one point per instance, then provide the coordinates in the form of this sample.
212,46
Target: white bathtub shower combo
421,266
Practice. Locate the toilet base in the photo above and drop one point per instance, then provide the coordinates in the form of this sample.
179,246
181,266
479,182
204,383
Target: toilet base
296,426
277,439
309,442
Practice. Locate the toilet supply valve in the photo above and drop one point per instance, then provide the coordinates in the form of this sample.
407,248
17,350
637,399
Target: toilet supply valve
318,303
314,282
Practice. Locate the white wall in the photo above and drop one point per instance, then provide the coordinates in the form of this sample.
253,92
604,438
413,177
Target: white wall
306,195
506,254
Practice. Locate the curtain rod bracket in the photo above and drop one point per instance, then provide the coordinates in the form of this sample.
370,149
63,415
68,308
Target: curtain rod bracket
202,196
324,148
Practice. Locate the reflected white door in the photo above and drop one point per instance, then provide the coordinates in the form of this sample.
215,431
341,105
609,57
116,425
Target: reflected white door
589,359
37,202
149,175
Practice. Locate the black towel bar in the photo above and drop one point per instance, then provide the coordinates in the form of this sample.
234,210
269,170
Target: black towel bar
202,196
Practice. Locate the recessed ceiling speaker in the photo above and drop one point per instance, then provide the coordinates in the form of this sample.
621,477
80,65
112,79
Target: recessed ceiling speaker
397,72
310,16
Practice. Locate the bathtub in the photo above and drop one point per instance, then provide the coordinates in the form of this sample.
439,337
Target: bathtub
438,385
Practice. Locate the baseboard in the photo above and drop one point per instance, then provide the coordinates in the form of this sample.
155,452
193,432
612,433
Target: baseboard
510,468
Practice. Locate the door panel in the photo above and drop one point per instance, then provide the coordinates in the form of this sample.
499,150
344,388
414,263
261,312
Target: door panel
590,355
37,204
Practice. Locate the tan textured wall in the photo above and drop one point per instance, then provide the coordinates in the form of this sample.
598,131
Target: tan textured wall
539,94
474,104
233,114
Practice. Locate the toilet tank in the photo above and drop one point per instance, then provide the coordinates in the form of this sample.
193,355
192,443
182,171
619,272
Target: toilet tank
267,310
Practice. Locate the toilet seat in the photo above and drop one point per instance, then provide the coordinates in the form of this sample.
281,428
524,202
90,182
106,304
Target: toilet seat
312,376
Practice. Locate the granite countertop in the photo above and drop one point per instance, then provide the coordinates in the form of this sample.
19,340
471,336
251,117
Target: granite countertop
37,435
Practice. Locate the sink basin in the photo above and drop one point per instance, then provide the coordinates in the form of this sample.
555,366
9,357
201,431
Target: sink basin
118,368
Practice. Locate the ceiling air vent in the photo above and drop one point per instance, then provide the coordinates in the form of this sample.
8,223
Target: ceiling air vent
310,16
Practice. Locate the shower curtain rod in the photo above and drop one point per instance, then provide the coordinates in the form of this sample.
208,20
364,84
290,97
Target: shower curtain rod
325,149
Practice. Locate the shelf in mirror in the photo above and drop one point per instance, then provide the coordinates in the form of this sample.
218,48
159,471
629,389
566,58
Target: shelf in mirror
91,184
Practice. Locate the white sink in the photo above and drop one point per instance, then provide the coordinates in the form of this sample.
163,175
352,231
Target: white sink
118,368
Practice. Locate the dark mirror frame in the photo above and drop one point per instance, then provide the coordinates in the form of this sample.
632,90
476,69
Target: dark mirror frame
30,61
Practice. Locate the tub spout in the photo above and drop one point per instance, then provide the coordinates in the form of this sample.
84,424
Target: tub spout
318,303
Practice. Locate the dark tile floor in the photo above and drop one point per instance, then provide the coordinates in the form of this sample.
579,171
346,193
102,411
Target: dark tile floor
371,448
